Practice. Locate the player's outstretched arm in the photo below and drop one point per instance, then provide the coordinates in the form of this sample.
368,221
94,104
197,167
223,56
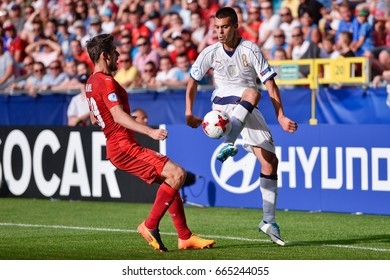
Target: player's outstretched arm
191,120
286,123
125,120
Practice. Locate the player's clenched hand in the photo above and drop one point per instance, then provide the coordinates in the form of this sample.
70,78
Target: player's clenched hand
287,124
193,121
159,134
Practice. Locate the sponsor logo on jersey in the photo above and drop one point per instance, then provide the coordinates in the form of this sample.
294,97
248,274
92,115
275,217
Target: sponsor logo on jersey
88,88
265,71
113,97
236,175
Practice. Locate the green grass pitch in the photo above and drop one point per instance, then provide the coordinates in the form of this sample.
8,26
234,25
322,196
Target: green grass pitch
38,229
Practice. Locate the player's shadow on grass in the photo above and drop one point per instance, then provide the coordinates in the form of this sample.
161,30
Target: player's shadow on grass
383,238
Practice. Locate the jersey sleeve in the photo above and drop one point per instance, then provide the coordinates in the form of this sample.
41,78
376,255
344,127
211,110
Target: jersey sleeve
109,94
201,65
263,69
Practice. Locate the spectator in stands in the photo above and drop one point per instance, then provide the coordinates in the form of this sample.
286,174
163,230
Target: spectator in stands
95,26
207,9
348,21
252,24
78,111
329,22
175,28
80,32
70,71
137,28
44,50
343,44
149,75
188,8
74,74
140,116
55,76
108,24
43,14
79,54
127,75
186,36
280,42
179,46
16,17
166,71
198,28
335,16
66,11
211,36
270,22
302,49
240,18
35,81
280,55
81,12
122,20
7,68
380,56
315,7
33,31
292,5
126,47
156,40
145,54
182,71
310,30
24,72
365,42
3,15
378,82
287,23
13,43
64,38
328,48
50,30
28,63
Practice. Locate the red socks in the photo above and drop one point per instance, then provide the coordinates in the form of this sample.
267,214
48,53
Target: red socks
169,199
164,198
179,218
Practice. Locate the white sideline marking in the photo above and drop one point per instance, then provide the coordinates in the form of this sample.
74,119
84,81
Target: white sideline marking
206,236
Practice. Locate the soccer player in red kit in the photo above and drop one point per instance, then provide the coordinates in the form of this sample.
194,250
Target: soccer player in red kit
110,109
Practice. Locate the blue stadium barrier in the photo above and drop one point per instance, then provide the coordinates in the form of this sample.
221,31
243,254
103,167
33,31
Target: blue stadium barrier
346,105
330,168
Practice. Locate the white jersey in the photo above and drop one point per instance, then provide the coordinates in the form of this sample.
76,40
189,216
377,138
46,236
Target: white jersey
232,72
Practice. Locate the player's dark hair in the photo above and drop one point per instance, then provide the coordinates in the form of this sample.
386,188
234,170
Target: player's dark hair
227,12
98,44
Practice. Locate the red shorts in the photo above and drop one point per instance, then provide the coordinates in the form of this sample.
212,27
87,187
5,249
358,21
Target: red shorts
131,157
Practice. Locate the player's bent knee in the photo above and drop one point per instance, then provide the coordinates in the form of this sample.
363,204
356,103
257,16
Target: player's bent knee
251,95
177,177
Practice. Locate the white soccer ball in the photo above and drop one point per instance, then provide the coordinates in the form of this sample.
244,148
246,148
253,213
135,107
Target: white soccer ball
216,124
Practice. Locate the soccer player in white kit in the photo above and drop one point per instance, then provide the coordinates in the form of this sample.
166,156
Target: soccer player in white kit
236,64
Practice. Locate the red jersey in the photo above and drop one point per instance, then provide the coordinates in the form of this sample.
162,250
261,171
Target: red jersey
103,93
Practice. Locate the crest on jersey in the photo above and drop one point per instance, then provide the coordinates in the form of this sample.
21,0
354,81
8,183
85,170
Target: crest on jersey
113,97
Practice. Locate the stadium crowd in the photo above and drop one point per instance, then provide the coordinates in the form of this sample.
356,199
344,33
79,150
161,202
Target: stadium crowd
43,41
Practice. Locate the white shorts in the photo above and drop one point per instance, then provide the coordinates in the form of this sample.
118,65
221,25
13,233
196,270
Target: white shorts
256,132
